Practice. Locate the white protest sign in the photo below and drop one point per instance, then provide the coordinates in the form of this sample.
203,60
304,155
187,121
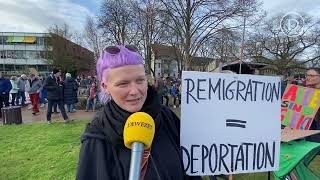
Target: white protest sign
230,123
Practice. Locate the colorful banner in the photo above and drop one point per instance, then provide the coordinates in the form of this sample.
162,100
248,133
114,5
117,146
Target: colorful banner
299,106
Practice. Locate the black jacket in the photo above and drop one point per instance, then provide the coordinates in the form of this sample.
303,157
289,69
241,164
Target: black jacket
103,155
70,89
54,88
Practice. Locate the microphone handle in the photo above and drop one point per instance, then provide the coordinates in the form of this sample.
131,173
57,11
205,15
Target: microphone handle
136,158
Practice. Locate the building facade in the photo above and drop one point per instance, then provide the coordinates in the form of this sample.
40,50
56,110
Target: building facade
164,61
20,51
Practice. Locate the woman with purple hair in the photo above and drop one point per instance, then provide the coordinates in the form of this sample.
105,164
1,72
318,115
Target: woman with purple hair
124,90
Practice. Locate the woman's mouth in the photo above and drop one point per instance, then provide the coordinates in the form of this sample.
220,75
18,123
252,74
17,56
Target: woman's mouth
136,100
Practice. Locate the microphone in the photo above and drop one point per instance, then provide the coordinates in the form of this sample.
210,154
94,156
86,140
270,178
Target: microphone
138,134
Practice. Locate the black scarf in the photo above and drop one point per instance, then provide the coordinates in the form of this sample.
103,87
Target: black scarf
115,116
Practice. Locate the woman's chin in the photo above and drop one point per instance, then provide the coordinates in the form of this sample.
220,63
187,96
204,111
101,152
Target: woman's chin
133,108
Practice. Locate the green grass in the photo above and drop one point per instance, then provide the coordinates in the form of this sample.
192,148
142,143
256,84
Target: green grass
39,150
42,151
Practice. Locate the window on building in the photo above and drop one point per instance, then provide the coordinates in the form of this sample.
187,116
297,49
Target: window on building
42,68
3,54
32,66
31,54
20,54
40,40
42,54
3,39
20,67
37,54
9,67
10,54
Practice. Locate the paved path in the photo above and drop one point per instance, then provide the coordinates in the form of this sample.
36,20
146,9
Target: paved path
28,117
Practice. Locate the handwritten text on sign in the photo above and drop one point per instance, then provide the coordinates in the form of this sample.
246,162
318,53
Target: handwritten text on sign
230,123
299,106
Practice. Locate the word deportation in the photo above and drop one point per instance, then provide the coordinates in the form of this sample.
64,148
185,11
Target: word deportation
221,158
252,90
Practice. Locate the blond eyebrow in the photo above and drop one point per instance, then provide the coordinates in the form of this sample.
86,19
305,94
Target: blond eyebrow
121,81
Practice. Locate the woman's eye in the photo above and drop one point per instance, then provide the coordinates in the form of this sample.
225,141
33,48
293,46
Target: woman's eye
122,84
140,80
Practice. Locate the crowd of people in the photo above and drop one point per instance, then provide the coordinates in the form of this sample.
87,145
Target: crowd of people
52,91
56,92
169,90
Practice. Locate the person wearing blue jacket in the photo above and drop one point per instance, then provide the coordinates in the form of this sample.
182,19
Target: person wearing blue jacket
5,87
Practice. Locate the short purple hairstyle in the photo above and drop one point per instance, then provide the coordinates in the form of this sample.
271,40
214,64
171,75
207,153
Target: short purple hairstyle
108,60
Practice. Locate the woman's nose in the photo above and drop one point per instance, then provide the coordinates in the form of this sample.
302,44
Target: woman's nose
133,88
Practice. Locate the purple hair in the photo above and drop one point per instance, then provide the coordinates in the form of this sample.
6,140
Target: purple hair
108,60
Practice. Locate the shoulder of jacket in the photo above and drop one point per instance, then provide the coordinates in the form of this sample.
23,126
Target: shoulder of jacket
166,111
93,131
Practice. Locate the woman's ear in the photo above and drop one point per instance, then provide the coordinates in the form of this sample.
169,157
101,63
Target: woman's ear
104,87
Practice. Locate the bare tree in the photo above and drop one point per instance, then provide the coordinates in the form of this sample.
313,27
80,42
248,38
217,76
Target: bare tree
196,21
62,31
149,26
93,37
77,37
286,53
115,19
224,46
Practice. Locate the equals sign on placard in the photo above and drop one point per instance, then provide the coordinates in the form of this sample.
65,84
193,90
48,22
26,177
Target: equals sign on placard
235,123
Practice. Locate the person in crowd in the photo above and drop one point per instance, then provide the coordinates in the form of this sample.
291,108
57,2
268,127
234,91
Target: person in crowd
55,94
5,87
160,86
43,92
22,84
14,90
92,96
103,156
313,81
174,93
55,106
70,93
166,91
34,90
87,82
82,82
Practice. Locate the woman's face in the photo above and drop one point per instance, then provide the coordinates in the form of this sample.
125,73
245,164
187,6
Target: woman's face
127,85
313,78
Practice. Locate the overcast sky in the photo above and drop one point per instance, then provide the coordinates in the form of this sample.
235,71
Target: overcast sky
39,15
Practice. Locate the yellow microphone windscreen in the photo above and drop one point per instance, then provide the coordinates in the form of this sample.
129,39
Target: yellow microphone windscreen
139,127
